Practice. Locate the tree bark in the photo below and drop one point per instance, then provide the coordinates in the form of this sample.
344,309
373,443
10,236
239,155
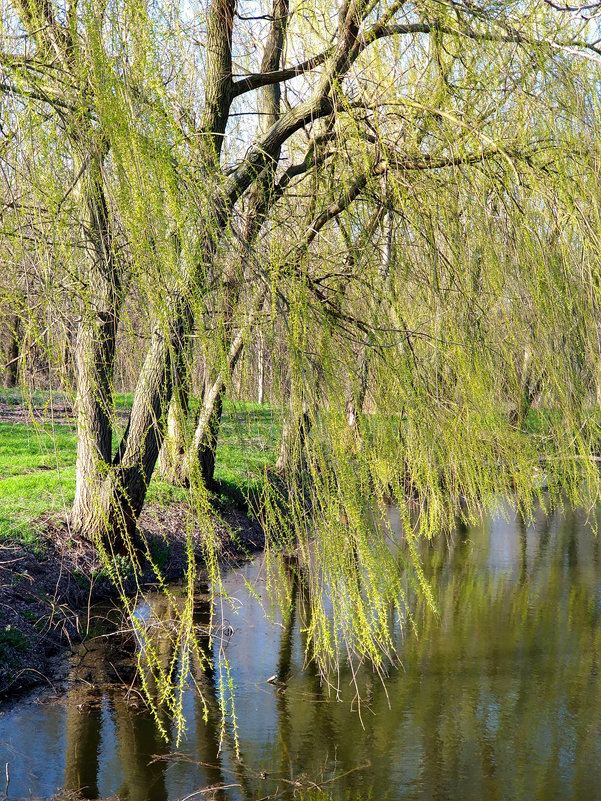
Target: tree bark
529,390
260,369
204,444
295,430
172,456
13,352
95,347
173,452
138,452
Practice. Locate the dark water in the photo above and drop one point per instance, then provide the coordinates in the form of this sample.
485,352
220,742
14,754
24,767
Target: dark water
498,698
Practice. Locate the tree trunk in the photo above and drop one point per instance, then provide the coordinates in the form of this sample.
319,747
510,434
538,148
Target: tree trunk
173,452
120,494
356,400
138,452
205,445
12,352
530,389
95,347
295,430
172,456
94,355
203,449
260,369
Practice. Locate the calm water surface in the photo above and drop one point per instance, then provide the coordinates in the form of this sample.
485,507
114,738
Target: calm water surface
498,698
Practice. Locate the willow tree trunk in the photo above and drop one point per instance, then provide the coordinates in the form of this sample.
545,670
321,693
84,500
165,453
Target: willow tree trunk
173,452
203,450
123,491
295,430
118,492
172,457
530,387
207,435
356,400
95,347
12,352
260,369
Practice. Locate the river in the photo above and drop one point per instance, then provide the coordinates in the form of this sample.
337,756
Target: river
497,697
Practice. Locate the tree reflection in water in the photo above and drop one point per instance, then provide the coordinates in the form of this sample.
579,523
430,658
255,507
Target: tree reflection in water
141,747
498,695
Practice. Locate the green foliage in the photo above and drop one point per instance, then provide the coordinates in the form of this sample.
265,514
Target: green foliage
415,233
467,291
13,638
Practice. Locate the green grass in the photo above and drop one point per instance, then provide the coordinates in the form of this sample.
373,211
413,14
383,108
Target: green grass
27,448
25,498
37,465
249,439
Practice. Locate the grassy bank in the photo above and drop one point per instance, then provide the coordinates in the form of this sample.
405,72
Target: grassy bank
38,451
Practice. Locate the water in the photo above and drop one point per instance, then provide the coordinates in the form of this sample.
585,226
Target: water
498,698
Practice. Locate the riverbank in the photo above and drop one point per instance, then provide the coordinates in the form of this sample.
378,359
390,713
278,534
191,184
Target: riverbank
46,593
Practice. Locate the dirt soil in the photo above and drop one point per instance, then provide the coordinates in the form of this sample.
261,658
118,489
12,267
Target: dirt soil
60,413
45,596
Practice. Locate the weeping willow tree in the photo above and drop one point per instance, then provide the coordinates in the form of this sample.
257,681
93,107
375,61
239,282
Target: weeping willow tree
401,197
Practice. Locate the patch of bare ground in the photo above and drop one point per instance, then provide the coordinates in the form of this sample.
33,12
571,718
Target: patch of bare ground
45,597
59,413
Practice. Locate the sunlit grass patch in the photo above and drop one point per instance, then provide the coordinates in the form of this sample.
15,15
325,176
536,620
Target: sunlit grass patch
27,447
26,498
250,433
